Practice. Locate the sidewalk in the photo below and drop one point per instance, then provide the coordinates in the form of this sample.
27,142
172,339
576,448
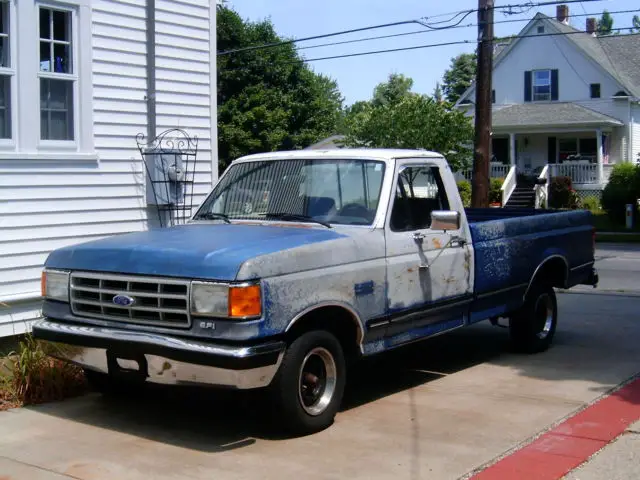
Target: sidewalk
620,460
600,442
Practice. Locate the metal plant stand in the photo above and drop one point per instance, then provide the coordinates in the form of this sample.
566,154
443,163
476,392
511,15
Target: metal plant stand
170,164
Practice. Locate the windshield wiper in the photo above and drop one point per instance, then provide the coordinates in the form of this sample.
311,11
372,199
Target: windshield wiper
294,217
213,216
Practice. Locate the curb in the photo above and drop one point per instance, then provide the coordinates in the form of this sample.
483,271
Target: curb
567,445
595,291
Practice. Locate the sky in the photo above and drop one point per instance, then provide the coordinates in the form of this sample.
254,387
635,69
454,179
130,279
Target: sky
357,76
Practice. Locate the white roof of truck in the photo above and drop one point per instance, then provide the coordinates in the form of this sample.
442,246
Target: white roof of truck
346,153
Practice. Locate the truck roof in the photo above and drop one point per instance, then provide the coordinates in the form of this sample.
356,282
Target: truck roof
351,153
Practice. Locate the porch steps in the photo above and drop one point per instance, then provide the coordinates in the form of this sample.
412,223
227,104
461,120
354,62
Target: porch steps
522,197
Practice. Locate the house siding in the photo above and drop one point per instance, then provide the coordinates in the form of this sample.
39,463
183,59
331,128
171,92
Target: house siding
635,149
48,205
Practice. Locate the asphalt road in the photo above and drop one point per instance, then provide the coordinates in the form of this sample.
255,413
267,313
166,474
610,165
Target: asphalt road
436,410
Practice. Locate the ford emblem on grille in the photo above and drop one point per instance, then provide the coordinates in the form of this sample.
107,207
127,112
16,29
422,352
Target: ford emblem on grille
123,300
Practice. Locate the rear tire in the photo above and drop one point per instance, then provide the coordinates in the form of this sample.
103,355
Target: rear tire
308,388
533,327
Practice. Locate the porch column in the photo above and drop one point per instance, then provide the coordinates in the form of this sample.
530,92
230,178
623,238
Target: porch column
512,149
600,155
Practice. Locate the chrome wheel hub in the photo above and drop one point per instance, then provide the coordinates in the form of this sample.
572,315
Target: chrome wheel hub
317,381
544,315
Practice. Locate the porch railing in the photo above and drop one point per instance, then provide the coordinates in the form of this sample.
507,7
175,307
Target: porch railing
542,191
509,185
579,172
496,170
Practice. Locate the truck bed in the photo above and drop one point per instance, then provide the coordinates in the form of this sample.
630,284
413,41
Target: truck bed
510,244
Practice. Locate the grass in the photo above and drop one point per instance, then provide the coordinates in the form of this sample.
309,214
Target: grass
603,223
29,376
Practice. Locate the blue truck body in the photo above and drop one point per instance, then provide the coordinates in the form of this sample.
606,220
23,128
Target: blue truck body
373,287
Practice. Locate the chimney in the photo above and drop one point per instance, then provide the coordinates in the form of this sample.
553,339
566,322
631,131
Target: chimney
562,14
591,25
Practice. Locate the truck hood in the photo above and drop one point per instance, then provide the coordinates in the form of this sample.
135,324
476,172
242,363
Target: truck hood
206,251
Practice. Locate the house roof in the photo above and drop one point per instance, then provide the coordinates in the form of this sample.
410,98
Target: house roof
549,114
618,54
335,141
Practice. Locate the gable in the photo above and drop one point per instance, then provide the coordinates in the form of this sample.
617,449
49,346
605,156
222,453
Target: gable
576,69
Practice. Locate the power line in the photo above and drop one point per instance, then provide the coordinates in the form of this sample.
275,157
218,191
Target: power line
419,32
386,25
419,47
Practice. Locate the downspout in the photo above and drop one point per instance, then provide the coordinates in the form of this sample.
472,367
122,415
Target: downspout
151,69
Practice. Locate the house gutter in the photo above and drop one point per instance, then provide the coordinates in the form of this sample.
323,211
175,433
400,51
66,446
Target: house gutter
151,68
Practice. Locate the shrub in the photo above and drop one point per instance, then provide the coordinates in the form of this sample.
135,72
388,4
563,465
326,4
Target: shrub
623,188
464,187
32,377
562,194
495,192
591,203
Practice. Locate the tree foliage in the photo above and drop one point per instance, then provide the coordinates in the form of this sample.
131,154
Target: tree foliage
268,99
636,24
459,76
605,24
411,121
396,87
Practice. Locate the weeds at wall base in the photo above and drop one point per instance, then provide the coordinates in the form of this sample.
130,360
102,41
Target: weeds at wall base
29,376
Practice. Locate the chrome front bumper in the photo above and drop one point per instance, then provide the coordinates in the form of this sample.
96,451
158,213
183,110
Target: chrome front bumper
160,358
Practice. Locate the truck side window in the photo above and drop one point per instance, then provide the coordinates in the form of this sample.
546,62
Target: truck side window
419,192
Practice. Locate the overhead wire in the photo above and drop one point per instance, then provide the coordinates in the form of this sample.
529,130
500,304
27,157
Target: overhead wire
422,22
420,32
419,47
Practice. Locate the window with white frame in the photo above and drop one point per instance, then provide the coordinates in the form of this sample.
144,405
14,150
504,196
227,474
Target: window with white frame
5,72
56,74
541,85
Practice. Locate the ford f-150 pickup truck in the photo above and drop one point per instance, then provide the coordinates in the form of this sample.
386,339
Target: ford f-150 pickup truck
297,263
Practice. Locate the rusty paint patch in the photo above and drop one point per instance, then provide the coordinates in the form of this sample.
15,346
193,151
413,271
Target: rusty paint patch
410,270
436,243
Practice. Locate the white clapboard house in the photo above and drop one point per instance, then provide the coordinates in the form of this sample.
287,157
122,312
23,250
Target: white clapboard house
566,102
79,80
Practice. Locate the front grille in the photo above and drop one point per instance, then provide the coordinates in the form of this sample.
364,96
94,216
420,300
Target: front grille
157,301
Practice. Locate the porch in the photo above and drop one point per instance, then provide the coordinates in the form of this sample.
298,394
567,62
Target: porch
572,140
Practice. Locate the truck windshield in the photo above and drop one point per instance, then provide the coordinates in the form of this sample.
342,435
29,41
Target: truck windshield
328,191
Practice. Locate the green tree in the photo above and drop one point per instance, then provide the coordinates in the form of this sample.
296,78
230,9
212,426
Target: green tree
605,24
459,76
413,121
636,24
268,99
437,93
396,87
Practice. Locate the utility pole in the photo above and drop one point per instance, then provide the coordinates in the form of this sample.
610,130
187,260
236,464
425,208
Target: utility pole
482,143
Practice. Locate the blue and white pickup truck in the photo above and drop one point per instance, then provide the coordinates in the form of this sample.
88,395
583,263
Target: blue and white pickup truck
299,262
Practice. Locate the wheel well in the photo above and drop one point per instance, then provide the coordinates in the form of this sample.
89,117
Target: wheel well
337,320
553,272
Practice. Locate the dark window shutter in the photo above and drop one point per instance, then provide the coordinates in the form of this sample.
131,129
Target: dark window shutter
527,86
554,85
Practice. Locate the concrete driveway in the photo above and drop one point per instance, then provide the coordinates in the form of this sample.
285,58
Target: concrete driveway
436,410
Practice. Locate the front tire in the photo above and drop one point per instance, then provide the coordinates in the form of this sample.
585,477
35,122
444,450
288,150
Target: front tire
308,388
533,327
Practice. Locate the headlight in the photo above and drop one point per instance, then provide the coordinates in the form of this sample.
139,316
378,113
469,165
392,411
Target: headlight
55,285
226,301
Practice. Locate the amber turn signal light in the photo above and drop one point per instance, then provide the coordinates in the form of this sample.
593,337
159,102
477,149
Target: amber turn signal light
245,301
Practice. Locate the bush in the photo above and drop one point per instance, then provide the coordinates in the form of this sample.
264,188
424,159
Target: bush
591,203
464,187
623,188
495,192
562,194
30,376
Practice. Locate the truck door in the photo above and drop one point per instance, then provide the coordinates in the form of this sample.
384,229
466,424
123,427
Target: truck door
428,271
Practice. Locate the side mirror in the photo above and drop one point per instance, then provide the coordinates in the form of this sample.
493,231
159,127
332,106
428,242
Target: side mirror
541,181
445,220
